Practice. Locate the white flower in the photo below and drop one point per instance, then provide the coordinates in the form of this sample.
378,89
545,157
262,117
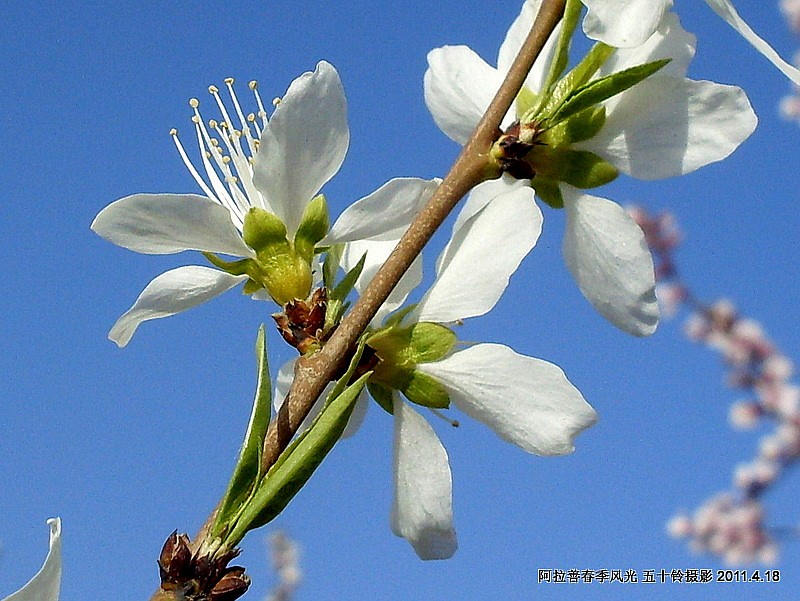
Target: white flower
277,165
666,125
46,584
627,23
526,401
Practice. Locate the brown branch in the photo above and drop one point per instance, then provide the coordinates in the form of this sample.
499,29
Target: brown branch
472,167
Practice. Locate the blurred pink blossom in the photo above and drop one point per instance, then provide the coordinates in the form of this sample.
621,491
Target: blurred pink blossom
731,525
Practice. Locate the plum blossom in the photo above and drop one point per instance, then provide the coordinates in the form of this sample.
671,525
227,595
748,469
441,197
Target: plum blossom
733,524
261,167
526,401
666,125
628,23
46,584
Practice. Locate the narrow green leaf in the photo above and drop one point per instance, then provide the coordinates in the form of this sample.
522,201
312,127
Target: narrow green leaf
597,91
248,466
302,458
572,14
336,301
577,77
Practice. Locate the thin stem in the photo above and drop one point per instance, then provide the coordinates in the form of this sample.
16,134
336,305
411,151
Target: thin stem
470,168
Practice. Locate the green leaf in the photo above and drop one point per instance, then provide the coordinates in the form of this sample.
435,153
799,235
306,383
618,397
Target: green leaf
313,227
331,265
248,466
597,91
576,78
424,390
302,458
336,301
583,126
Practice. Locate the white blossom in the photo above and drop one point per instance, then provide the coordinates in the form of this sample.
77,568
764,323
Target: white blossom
666,125
278,165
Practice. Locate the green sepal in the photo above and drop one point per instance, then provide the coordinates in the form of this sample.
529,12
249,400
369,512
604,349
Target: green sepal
302,457
262,230
330,267
383,396
424,390
239,267
583,126
601,89
248,472
578,168
572,14
336,300
574,79
548,191
430,342
251,287
406,347
285,274
313,227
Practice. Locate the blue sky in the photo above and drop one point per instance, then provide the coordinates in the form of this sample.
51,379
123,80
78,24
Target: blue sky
127,445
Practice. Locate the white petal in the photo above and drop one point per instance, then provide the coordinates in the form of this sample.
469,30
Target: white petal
482,194
377,253
475,266
283,382
516,36
159,224
670,41
726,10
459,86
422,508
170,293
526,401
385,214
667,126
304,143
606,253
623,23
46,584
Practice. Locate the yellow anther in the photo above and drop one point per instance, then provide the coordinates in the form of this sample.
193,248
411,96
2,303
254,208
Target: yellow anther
213,89
194,103
251,118
276,101
226,159
253,85
214,142
173,132
195,119
212,123
228,80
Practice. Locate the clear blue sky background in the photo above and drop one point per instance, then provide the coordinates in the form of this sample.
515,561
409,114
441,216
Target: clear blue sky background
127,445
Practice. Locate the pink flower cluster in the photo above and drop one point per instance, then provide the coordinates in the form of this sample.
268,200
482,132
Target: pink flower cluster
731,525
790,104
